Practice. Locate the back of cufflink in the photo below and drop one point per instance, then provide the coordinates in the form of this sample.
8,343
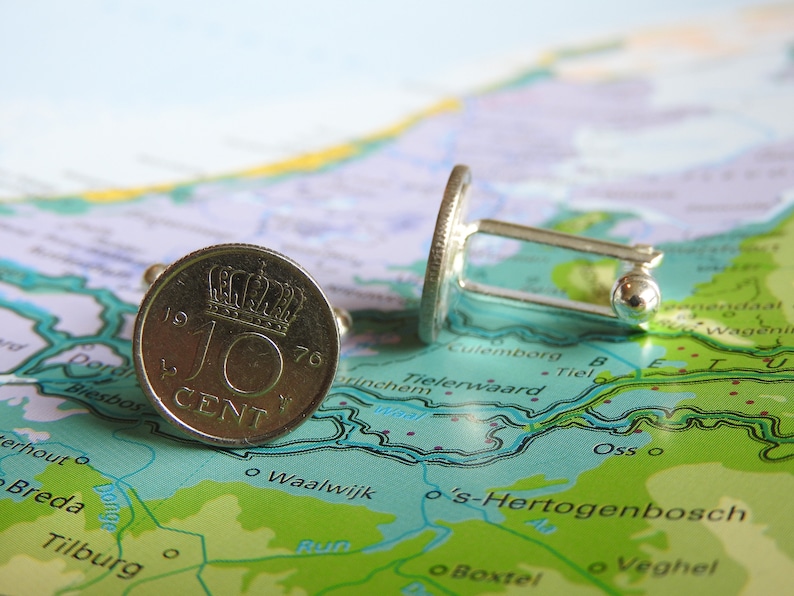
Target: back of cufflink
635,296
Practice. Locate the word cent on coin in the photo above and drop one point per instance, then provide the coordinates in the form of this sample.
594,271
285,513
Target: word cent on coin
235,344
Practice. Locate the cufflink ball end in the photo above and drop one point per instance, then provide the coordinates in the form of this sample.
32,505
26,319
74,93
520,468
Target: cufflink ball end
344,322
636,297
152,273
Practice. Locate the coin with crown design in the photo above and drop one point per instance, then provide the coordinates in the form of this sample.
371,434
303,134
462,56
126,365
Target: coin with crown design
235,344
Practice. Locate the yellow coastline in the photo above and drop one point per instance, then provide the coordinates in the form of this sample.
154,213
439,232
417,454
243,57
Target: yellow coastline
304,163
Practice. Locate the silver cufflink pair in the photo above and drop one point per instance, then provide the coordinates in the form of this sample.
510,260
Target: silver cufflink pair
236,344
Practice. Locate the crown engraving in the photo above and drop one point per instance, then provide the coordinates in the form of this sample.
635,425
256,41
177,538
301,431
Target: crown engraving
253,299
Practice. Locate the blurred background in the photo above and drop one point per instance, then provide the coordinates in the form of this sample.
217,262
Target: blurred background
98,94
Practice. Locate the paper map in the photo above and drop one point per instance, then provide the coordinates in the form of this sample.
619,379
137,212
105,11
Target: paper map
525,452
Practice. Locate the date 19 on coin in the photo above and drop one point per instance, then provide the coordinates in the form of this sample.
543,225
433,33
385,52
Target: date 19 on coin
235,345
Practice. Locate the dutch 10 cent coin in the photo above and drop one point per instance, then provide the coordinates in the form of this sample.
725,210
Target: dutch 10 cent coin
235,345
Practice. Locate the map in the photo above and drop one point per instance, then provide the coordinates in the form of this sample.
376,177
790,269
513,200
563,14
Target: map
526,451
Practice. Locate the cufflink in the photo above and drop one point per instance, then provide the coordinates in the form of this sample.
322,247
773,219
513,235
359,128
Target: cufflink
236,344
635,295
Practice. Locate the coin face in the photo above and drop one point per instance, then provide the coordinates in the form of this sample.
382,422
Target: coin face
235,344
